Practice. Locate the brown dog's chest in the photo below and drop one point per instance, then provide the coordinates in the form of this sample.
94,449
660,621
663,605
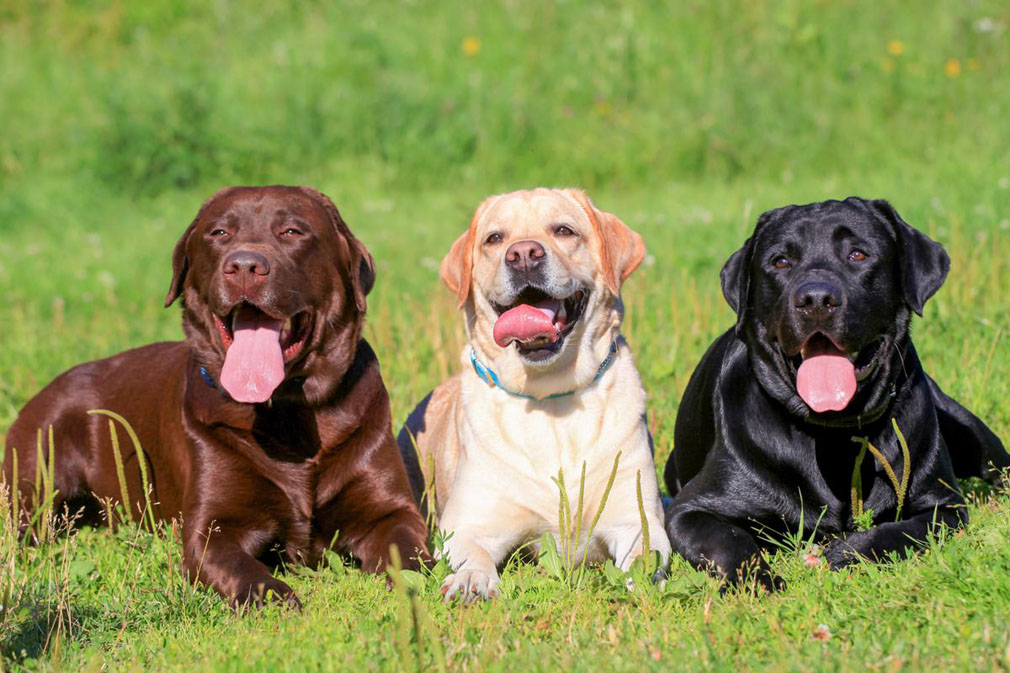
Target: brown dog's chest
291,465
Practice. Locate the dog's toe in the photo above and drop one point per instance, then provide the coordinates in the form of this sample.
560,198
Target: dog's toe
469,586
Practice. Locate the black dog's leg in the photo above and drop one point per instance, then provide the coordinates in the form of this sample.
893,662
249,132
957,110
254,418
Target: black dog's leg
975,451
896,536
724,549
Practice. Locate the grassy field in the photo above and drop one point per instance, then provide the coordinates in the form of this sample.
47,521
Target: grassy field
120,118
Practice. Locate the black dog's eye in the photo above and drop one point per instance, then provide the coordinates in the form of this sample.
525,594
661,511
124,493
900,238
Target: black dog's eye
563,230
781,263
218,232
857,255
493,239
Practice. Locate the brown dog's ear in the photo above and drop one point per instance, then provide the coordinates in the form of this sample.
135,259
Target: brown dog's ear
180,260
180,265
457,266
360,259
621,249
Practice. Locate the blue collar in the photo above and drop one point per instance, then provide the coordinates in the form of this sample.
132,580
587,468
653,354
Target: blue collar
487,375
205,375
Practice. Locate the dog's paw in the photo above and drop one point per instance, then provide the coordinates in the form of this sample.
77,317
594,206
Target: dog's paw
470,585
769,582
265,592
841,553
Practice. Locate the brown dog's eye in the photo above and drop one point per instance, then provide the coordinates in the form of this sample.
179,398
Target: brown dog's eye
857,255
291,231
218,232
563,230
493,239
781,263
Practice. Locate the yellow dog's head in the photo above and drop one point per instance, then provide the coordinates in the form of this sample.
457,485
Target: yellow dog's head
538,275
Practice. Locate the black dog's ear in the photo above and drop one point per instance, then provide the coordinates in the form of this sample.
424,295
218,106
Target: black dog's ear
736,272
923,263
360,258
735,276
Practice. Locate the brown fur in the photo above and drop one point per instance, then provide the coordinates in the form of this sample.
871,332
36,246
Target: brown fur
316,462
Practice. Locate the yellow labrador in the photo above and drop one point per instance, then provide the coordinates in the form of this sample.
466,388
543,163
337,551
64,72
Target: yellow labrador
548,386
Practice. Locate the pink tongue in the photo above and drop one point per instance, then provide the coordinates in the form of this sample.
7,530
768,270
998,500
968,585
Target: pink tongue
254,363
526,322
826,382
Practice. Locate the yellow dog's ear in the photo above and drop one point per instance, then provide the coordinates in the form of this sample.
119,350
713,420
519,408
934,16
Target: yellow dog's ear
457,267
621,249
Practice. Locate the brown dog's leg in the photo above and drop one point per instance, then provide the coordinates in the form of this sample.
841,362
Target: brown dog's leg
222,555
372,513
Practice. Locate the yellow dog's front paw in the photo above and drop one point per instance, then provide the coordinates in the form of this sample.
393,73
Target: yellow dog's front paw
470,585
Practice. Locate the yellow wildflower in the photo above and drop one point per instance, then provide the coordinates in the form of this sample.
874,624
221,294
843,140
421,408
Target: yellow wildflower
953,68
471,46
895,47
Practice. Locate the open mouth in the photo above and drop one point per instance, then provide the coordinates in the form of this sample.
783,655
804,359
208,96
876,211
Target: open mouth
864,361
537,323
292,333
827,375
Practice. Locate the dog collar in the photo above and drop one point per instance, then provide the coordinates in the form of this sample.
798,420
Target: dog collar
205,375
487,375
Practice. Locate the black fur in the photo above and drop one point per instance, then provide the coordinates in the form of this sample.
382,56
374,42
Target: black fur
751,455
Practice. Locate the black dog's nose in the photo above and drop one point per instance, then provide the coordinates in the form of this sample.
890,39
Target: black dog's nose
817,296
245,261
524,255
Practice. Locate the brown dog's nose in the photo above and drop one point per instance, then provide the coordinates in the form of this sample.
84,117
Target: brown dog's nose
245,261
817,297
524,255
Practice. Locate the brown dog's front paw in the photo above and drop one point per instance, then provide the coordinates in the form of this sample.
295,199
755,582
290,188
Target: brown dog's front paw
260,593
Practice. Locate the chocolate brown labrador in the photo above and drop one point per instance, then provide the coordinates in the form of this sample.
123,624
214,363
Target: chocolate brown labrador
267,428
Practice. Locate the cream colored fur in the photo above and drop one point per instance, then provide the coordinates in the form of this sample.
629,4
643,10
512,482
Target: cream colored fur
494,454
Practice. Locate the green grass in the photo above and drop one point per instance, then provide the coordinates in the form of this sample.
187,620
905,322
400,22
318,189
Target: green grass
120,118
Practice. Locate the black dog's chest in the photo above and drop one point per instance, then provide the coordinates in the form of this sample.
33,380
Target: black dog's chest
825,497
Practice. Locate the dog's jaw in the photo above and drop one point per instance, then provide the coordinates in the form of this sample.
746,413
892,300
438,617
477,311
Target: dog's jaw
575,366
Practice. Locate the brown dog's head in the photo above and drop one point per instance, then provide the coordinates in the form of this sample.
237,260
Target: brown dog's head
538,274
273,284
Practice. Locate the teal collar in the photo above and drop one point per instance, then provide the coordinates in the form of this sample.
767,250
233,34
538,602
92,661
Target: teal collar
489,377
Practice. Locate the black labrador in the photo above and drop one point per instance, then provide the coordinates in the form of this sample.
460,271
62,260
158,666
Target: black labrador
816,377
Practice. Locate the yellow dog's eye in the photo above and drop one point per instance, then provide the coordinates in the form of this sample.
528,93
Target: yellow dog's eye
857,255
781,263
563,230
493,238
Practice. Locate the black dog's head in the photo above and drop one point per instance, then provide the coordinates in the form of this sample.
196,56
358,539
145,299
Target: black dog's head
823,295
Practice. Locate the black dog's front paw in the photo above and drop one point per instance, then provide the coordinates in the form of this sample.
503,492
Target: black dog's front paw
755,576
844,551
767,580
